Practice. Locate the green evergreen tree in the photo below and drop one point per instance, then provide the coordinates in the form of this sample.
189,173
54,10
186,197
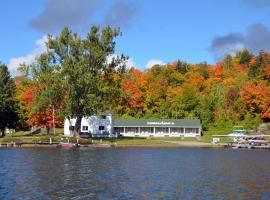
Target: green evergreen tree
8,104
244,56
227,62
182,67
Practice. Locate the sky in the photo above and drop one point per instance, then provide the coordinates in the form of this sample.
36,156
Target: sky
153,32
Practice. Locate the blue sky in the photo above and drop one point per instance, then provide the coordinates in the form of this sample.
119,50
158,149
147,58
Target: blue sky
153,31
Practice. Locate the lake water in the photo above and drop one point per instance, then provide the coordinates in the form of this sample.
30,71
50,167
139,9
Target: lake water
134,173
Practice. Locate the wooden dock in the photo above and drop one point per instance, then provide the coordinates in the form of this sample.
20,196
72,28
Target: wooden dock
236,145
48,144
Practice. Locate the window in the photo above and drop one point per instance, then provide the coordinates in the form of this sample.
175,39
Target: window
132,129
147,130
101,128
85,128
176,130
192,130
162,130
119,129
71,128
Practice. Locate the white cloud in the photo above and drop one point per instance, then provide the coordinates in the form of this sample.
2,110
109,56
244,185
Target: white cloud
153,62
14,63
130,63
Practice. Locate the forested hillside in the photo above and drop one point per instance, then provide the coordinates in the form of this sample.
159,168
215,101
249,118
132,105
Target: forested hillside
232,92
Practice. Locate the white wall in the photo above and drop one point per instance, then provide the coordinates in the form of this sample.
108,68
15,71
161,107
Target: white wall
68,123
93,124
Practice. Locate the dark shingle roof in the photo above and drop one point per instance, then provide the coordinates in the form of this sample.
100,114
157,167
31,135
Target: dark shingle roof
157,123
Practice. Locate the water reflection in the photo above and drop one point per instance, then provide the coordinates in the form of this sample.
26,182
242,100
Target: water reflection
134,173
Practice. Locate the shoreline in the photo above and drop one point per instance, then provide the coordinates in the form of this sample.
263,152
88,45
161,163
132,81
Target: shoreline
174,144
167,144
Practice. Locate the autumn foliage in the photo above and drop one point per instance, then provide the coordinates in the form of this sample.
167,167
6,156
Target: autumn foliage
257,98
235,90
26,93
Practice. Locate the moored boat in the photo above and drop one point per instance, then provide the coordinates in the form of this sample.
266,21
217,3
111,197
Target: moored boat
68,145
251,142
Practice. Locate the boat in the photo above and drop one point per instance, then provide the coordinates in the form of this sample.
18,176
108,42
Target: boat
251,142
255,140
68,145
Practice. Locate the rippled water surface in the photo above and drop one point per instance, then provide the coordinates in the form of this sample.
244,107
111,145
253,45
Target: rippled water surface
134,173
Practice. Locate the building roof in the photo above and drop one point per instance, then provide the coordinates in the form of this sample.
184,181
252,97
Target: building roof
157,123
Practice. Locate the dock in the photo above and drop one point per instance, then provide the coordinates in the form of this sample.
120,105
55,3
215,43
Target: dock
50,144
236,145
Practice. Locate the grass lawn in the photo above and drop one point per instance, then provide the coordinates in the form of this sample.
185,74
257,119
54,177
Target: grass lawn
162,141
124,141
26,136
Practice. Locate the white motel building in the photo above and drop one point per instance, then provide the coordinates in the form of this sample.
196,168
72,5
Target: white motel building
109,127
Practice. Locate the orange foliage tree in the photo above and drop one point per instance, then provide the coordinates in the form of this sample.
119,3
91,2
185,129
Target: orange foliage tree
34,118
257,98
134,90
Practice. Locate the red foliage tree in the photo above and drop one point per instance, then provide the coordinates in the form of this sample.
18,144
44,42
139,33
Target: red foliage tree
257,98
40,119
133,87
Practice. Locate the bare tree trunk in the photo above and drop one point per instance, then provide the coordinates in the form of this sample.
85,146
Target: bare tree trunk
78,126
3,132
48,130
71,130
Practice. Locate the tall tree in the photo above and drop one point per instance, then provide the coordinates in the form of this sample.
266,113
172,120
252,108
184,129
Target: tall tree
80,69
8,105
227,62
22,85
244,56
50,90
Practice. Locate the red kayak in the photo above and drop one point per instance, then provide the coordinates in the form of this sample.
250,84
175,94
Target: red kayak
69,145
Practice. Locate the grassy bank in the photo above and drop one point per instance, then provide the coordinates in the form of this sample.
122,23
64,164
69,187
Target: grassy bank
121,142
42,136
163,141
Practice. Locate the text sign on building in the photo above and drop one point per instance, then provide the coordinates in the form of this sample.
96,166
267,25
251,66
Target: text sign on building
160,123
